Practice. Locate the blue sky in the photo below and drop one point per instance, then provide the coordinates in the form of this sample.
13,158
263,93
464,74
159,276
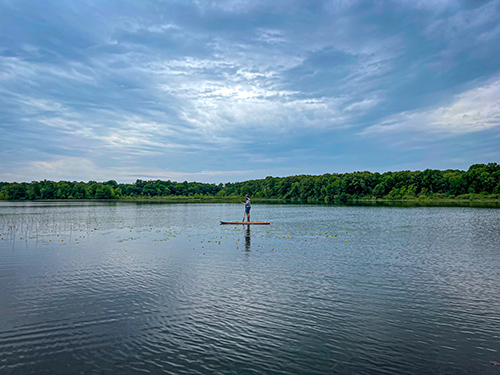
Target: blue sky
219,91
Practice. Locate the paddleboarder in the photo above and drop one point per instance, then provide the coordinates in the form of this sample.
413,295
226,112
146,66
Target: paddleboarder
247,208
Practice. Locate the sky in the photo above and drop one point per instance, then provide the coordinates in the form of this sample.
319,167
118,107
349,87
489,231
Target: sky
225,91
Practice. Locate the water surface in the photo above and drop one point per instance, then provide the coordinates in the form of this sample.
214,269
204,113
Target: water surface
97,288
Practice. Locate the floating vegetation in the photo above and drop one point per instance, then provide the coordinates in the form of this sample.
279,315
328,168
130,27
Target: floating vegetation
290,238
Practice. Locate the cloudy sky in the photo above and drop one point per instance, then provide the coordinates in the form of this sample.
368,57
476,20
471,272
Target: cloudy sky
219,91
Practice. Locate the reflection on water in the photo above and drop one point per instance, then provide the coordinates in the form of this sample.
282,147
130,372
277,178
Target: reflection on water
248,239
126,288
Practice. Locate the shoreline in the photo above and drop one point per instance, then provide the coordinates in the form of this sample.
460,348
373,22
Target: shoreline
414,202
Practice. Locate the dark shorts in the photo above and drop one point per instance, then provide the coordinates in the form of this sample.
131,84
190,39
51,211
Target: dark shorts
247,210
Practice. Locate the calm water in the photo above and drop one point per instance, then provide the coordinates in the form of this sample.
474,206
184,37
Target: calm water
104,288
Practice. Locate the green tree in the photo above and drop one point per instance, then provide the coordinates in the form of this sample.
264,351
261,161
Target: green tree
104,192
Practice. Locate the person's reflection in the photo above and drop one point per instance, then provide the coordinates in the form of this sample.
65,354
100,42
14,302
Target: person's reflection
247,239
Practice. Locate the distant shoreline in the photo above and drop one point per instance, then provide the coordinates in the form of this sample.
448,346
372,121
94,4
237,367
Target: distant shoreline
481,182
368,202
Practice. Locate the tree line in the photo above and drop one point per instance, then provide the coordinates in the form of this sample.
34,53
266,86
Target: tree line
479,181
104,190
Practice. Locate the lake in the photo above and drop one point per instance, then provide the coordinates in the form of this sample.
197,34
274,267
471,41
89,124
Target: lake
105,288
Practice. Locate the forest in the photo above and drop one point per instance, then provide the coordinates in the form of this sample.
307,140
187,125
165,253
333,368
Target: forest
480,181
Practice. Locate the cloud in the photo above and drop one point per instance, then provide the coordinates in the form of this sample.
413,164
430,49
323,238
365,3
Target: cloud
271,36
218,94
472,111
188,85
103,129
363,105
466,21
430,5
465,34
83,169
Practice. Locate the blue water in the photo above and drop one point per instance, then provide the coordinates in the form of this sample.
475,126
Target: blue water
98,288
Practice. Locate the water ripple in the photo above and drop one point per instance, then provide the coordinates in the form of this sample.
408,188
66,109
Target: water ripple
358,290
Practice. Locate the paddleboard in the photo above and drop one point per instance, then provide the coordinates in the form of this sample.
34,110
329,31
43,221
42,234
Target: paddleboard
246,222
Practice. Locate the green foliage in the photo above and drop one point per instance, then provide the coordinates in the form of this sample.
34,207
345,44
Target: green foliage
402,185
481,181
107,190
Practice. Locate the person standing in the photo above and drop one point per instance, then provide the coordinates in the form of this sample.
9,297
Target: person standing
248,206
